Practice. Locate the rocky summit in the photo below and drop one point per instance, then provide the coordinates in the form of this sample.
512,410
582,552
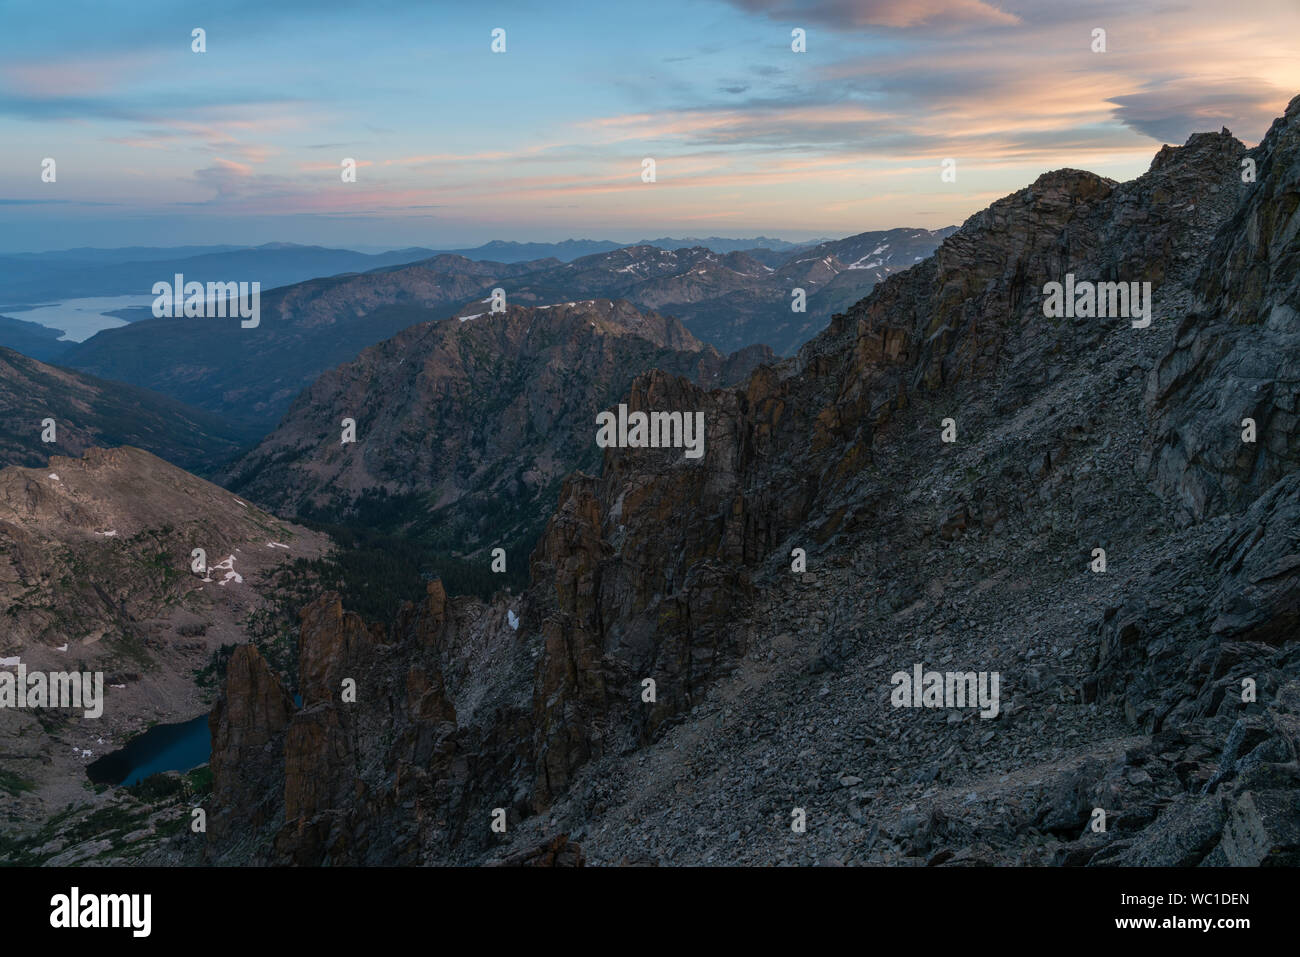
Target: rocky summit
712,662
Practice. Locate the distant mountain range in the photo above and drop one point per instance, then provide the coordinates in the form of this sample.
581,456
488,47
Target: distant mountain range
251,375
27,278
737,299
571,249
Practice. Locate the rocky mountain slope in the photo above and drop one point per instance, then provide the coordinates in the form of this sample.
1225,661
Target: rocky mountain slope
1162,692
96,575
88,411
465,429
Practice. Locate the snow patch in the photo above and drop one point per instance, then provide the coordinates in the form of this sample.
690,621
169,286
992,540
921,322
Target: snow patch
276,545
512,619
228,566
55,476
468,318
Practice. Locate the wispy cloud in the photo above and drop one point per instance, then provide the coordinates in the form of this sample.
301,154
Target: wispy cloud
881,13
551,136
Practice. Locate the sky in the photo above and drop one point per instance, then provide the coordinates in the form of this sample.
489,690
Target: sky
157,145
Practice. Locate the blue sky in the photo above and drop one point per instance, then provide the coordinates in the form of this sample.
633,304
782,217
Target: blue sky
157,145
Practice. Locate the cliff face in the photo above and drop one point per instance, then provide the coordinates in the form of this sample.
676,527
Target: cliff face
1121,690
404,742
1236,353
245,721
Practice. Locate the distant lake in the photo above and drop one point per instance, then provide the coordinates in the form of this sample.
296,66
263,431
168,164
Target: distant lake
164,747
79,319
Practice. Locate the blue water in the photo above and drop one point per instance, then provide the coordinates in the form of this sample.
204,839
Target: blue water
164,747
79,319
